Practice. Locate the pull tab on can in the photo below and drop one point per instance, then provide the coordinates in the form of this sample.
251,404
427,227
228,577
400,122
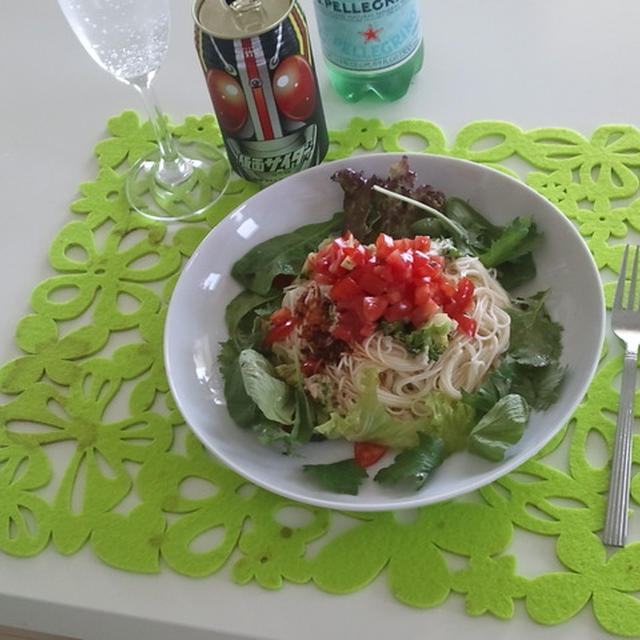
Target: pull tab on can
248,15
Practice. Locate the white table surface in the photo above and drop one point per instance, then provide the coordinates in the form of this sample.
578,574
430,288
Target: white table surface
535,63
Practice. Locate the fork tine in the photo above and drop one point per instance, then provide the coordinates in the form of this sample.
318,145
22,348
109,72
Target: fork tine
617,301
634,277
637,250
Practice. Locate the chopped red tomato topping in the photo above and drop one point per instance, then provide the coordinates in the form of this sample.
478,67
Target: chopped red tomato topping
368,453
280,315
282,323
279,332
373,307
394,280
310,366
466,324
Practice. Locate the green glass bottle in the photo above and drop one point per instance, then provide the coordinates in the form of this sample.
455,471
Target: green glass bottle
371,47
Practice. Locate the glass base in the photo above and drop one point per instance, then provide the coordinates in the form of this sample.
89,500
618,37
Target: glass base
183,188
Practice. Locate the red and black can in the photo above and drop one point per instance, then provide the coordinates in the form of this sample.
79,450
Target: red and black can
257,60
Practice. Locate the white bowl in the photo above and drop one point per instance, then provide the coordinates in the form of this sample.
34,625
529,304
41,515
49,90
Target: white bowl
195,325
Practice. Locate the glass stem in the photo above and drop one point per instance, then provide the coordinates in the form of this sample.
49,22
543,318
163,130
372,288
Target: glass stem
172,167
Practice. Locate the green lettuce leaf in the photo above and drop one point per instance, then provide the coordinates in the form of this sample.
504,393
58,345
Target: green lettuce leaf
273,397
241,407
497,385
448,420
513,273
539,386
536,340
433,336
501,427
269,432
344,476
506,248
242,317
519,238
414,466
530,367
479,232
368,421
304,415
282,255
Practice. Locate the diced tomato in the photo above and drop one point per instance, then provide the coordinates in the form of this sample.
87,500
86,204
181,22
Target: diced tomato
464,292
281,315
462,297
343,333
384,245
397,311
439,297
466,324
368,329
336,269
354,257
345,289
279,332
422,313
423,266
320,265
370,282
422,292
321,278
374,307
383,271
448,290
394,296
398,280
348,327
401,263
403,244
353,305
346,240
310,366
368,453
422,243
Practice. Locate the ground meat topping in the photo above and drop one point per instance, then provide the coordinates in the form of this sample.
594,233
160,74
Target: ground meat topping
315,315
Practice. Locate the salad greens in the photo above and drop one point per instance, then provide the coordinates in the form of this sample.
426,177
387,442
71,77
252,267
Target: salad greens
368,421
413,467
282,256
506,248
432,337
241,407
344,476
272,396
530,367
272,400
535,338
499,428
244,313
368,213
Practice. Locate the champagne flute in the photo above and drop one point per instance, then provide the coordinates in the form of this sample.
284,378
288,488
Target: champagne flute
129,39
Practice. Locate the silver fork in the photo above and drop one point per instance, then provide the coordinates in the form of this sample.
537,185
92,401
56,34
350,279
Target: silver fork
625,322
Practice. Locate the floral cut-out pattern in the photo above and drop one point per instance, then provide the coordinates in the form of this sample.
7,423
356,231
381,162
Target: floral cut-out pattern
93,452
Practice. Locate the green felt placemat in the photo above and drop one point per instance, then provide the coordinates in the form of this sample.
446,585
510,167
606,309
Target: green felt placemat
93,451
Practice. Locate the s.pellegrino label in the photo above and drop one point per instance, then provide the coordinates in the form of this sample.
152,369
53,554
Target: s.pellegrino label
368,35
